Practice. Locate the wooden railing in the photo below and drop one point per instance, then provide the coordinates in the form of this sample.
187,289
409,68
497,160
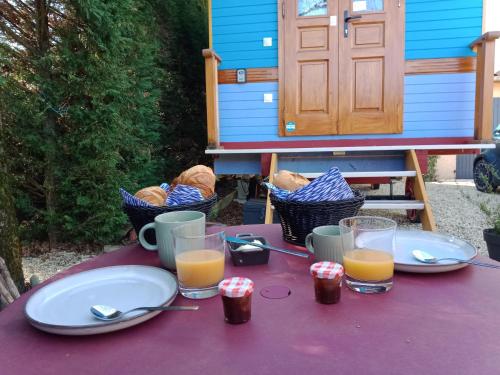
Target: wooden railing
212,60
483,118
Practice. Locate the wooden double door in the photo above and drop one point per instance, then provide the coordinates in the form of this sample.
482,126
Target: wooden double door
341,66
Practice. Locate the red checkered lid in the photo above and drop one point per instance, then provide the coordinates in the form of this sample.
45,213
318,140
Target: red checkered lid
327,270
236,287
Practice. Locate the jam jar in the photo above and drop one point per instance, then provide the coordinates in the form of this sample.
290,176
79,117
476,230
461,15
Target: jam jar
236,293
327,281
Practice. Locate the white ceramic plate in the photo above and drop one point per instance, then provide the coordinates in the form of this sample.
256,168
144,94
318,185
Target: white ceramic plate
63,306
436,244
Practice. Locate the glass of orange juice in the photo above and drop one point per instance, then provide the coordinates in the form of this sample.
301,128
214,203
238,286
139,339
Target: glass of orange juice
199,262
368,253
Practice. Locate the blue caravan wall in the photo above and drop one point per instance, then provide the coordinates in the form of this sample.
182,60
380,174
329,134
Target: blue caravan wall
437,29
435,105
238,28
434,29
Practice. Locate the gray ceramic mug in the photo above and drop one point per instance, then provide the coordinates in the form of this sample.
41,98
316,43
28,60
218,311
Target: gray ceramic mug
163,226
325,243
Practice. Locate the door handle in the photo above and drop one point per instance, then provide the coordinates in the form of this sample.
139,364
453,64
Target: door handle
347,19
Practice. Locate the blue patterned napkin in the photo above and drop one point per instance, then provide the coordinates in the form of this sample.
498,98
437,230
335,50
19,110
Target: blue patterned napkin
276,191
331,186
182,194
131,200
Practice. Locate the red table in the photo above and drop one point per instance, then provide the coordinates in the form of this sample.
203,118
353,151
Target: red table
428,324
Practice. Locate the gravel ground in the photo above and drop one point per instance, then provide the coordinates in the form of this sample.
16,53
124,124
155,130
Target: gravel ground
455,206
48,264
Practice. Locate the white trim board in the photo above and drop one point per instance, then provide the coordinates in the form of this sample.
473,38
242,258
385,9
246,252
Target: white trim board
469,146
393,205
367,174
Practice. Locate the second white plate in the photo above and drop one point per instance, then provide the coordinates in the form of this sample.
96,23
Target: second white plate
439,245
63,306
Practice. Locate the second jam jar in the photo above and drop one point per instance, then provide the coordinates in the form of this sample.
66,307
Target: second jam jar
236,293
327,278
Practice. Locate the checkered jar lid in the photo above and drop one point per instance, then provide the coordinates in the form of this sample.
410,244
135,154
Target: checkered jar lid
327,270
236,287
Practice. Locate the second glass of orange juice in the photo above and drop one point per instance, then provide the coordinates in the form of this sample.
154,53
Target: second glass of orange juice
199,261
368,248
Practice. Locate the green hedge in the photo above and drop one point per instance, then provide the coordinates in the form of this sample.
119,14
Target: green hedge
113,98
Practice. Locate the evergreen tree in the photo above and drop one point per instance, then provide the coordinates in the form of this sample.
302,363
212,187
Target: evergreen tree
10,246
112,87
81,87
183,33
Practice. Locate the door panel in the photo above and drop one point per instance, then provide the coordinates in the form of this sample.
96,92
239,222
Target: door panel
371,68
314,86
368,35
333,84
369,88
310,82
313,38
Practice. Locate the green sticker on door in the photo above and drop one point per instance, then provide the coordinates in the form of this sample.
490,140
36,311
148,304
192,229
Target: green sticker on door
290,126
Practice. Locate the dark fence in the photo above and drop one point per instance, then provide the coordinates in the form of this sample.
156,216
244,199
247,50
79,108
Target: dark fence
465,162
496,112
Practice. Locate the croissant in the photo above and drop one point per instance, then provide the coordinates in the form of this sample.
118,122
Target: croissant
289,180
152,194
198,176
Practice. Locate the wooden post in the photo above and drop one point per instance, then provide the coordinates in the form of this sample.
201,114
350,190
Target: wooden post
412,164
210,35
211,80
272,171
483,117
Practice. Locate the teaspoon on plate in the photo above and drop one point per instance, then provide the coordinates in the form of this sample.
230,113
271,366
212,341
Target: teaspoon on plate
424,257
107,313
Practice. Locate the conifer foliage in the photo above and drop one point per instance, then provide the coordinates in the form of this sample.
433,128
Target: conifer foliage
82,88
183,34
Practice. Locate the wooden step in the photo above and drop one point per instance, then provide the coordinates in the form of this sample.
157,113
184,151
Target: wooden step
410,169
367,174
393,205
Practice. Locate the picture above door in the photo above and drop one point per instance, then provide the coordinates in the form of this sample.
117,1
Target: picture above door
341,67
307,8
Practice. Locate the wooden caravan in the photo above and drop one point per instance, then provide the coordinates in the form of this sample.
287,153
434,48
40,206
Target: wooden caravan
369,85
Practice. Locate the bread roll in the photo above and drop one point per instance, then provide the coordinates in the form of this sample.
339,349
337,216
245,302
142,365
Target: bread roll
153,194
198,176
289,180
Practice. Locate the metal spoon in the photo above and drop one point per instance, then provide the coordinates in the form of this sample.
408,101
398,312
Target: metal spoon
424,257
280,250
103,312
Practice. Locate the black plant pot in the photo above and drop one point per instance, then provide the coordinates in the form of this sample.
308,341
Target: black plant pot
493,243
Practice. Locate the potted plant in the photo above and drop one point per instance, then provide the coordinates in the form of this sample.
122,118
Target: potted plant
492,235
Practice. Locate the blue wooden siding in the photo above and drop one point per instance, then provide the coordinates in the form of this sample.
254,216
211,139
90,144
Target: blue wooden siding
434,29
231,164
238,28
435,105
